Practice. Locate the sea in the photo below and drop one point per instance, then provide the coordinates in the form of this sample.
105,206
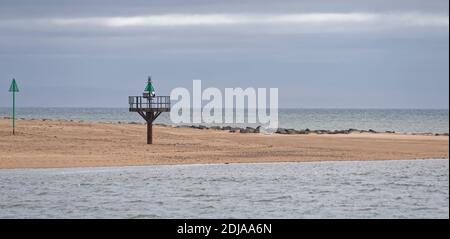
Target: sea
399,120
351,189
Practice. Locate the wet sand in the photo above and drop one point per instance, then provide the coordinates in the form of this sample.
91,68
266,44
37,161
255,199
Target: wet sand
54,144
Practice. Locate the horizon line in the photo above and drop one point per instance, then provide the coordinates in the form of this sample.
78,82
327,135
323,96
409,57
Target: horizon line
312,108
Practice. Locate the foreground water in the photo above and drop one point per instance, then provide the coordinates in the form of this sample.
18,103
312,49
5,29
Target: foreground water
400,120
374,189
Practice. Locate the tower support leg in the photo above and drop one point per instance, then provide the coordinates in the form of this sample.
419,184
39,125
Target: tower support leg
149,118
149,132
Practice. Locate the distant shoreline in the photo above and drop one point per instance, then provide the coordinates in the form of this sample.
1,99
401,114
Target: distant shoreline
417,121
65,144
234,129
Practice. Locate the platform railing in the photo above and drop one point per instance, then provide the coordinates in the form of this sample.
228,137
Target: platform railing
157,103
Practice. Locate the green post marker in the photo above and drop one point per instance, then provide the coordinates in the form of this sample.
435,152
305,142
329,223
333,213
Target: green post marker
14,88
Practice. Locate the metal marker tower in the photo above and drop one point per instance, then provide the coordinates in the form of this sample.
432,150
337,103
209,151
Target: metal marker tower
149,106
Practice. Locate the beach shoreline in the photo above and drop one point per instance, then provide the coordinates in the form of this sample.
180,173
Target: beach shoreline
66,144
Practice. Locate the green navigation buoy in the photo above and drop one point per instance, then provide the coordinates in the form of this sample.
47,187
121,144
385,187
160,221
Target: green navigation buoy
14,88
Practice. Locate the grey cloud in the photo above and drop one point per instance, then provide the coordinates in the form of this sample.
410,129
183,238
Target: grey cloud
387,62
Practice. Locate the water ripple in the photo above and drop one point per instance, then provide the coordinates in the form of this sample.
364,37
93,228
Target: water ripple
385,189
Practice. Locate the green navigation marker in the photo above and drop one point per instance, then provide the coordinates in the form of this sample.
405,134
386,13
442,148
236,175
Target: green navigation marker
14,88
149,88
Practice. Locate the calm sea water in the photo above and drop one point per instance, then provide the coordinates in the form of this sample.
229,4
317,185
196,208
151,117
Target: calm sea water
400,120
377,189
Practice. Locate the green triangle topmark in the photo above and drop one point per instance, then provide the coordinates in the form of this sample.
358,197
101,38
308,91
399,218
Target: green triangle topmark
149,87
14,87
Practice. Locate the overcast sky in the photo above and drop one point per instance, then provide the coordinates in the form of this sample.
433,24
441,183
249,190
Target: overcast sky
320,54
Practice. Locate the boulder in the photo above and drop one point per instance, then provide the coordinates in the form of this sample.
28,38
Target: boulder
291,131
248,130
234,130
199,127
258,130
351,130
183,126
321,131
281,131
162,125
226,128
243,131
341,132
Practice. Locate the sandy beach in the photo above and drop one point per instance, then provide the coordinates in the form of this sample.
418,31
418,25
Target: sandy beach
54,144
